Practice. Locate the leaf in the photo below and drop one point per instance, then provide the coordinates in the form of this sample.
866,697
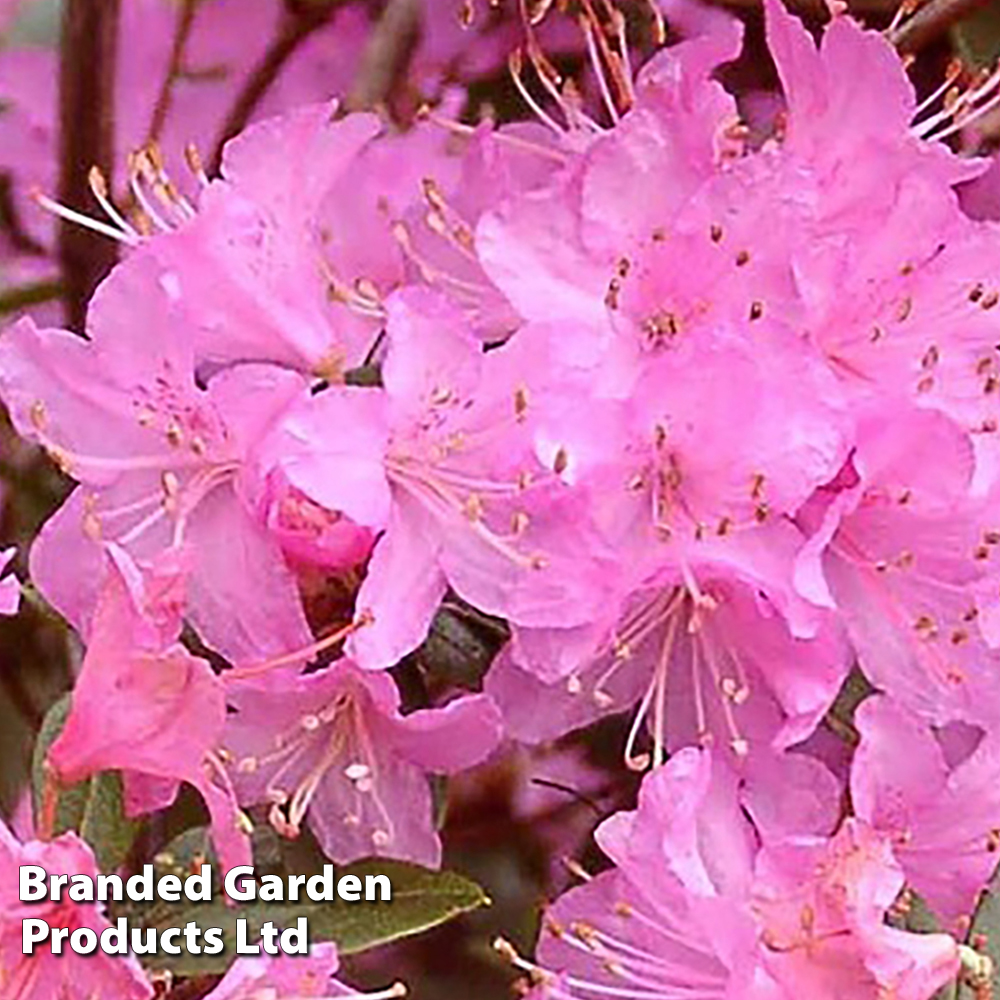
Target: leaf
94,807
840,718
421,899
104,825
460,647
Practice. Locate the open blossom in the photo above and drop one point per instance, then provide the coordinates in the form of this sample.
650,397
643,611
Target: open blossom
716,649
695,902
943,817
249,259
225,43
226,39
439,462
293,978
332,748
144,705
904,552
158,459
43,975
317,217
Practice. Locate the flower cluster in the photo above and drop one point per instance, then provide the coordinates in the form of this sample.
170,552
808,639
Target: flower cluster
708,415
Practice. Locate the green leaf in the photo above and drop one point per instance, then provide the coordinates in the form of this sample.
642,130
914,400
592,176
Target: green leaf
840,718
93,807
421,899
460,647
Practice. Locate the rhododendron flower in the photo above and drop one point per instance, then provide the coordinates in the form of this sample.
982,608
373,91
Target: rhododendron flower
695,902
43,975
227,38
715,650
143,704
827,85
250,260
333,748
822,906
158,459
290,254
944,819
284,977
903,552
439,462
705,410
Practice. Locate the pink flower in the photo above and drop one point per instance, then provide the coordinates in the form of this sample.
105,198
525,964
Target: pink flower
440,462
293,978
694,903
943,818
705,628
158,458
822,906
251,261
227,40
830,85
290,255
44,975
333,748
903,551
715,649
144,705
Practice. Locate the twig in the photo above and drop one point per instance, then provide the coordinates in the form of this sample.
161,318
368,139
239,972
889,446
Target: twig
21,297
182,32
86,125
300,21
389,49
818,9
11,223
931,21
923,27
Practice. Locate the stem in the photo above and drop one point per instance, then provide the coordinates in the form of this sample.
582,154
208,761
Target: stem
300,21
86,139
389,49
931,21
49,804
11,224
22,296
817,8
182,32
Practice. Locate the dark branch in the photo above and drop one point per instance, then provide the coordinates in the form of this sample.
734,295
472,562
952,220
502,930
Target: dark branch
389,50
818,10
182,32
86,124
11,223
21,297
300,21
931,21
